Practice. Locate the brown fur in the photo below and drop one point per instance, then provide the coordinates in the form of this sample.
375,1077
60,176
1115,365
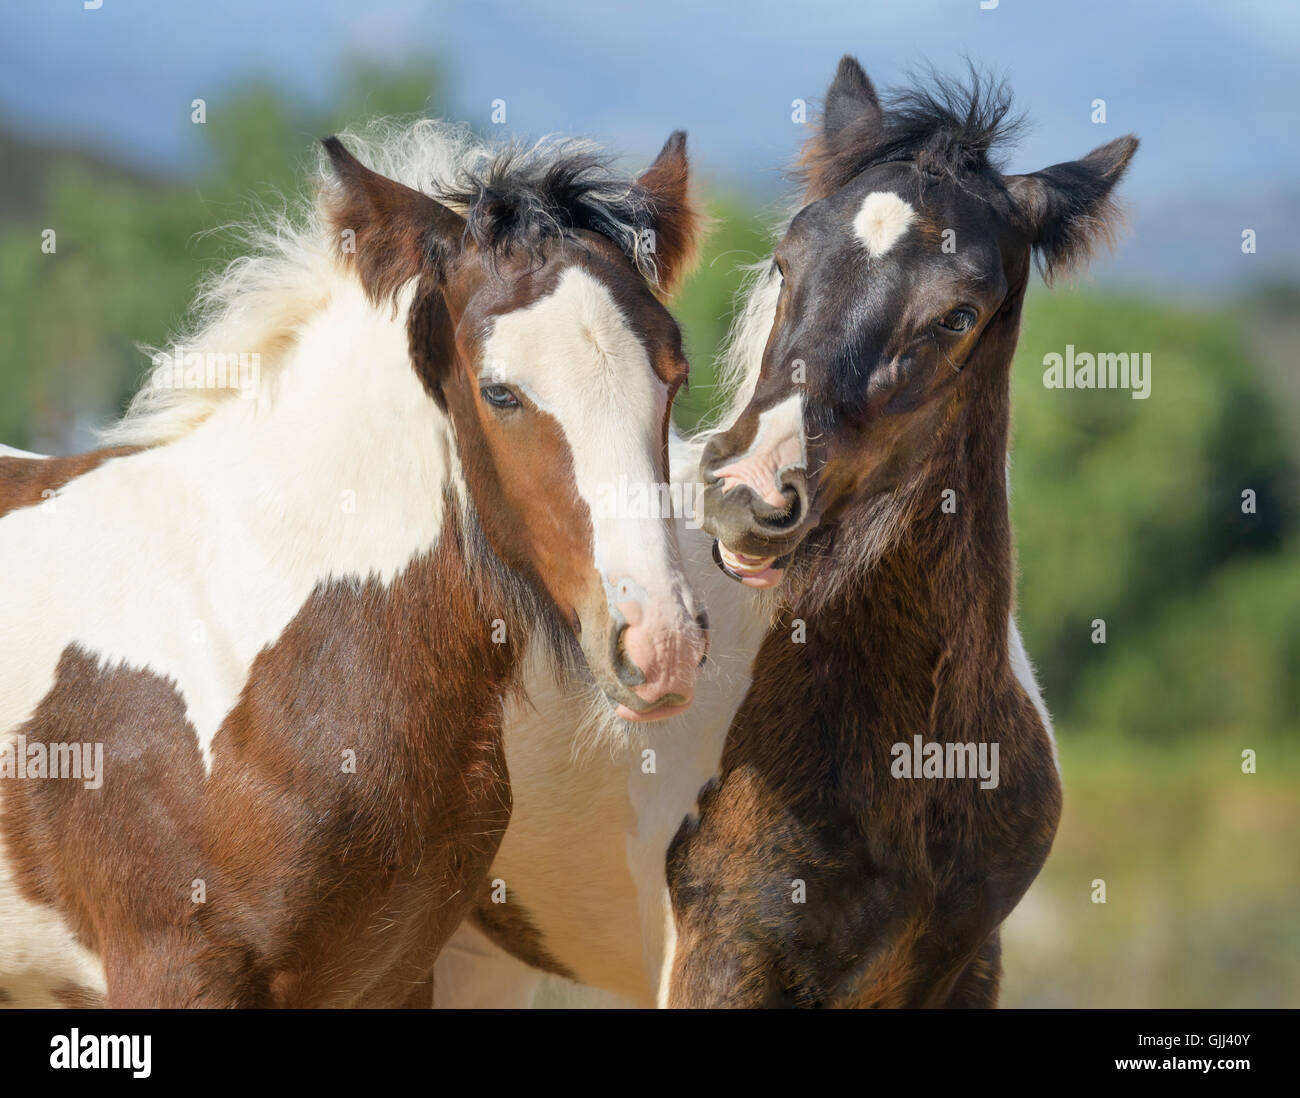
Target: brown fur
678,222
25,482
906,396
322,859
510,926
907,880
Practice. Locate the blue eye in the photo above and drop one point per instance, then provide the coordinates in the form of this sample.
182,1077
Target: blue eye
959,320
499,396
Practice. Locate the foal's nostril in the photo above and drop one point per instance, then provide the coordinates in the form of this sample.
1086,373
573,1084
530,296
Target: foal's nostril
793,513
627,672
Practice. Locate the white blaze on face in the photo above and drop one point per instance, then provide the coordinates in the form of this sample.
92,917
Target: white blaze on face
779,444
883,218
575,356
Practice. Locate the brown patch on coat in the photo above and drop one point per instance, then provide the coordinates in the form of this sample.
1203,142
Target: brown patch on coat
25,482
403,234
323,888
76,997
400,233
510,926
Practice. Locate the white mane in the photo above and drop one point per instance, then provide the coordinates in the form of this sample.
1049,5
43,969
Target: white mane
740,358
259,302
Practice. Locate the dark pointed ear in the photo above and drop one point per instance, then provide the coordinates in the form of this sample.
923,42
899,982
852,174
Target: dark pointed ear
675,225
393,232
851,102
1067,208
851,123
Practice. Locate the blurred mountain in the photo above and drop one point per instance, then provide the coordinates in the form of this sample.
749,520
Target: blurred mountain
1191,247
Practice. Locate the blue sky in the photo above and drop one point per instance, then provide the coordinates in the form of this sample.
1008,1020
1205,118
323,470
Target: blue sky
1211,88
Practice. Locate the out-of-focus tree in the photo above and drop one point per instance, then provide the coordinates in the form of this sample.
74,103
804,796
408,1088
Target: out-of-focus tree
1125,510
1122,507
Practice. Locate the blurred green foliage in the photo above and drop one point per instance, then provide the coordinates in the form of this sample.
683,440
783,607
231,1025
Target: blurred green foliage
738,238
1201,872
1125,510
1130,511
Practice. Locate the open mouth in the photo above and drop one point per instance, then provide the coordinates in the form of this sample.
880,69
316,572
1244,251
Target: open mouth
750,570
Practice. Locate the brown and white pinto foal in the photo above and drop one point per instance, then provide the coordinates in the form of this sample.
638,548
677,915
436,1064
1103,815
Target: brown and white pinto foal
868,471
289,622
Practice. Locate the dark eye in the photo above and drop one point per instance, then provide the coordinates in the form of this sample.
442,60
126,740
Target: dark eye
499,396
959,320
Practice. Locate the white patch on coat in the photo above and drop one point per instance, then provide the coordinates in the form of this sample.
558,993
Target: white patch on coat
1021,667
38,952
188,559
14,452
1023,670
473,971
881,220
575,355
587,840
779,444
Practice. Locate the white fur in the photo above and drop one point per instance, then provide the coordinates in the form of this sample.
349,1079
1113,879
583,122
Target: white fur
779,444
881,220
738,365
187,559
257,302
14,452
478,973
1024,673
575,355
38,952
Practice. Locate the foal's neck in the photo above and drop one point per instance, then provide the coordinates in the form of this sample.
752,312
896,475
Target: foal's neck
934,607
344,477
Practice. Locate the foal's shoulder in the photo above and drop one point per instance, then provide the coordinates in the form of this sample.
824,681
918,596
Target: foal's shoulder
26,478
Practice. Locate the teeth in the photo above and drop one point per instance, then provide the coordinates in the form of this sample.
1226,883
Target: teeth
742,563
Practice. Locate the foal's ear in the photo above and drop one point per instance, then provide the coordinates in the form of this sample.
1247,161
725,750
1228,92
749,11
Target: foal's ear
397,233
852,106
673,218
1067,207
851,123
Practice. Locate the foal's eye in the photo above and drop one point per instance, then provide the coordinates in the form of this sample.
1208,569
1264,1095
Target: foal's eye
499,396
959,320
